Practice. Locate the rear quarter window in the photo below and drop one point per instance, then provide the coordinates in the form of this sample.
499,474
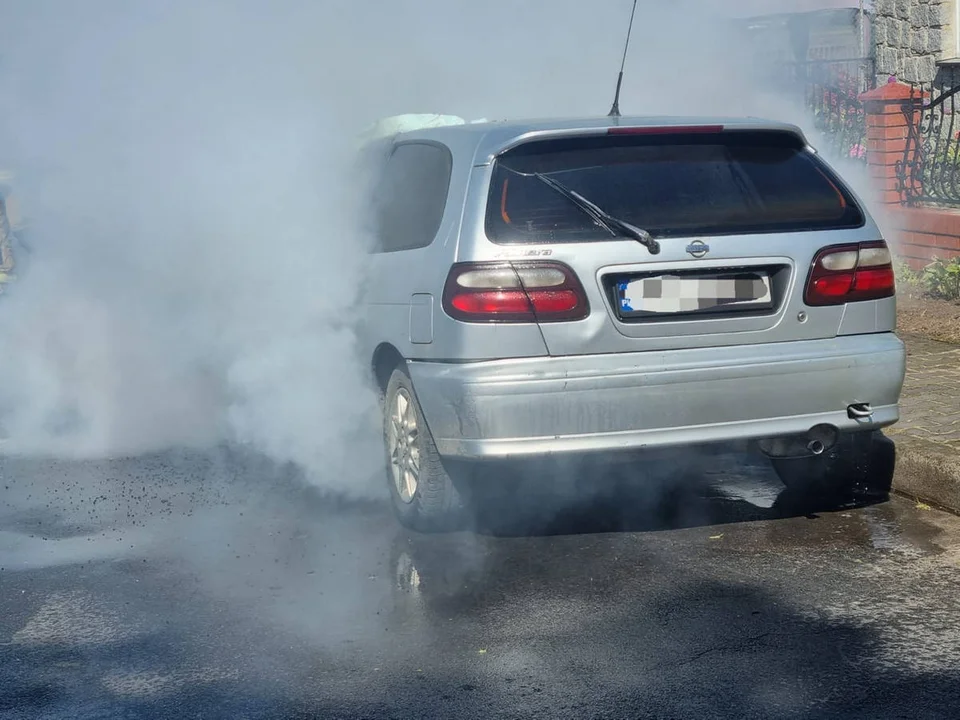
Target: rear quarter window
721,183
411,196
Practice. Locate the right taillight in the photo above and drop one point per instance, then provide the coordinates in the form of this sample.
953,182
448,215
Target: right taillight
515,292
850,273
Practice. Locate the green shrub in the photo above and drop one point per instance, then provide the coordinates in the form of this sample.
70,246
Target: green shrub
941,279
906,275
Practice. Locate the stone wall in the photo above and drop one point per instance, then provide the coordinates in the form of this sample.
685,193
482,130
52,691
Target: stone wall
911,36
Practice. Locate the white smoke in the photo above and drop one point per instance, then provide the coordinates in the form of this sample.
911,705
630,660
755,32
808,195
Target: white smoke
185,168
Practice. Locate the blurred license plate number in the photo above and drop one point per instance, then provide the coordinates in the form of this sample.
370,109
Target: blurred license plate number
669,294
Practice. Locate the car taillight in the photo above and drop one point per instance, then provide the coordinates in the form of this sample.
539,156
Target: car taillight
849,273
515,292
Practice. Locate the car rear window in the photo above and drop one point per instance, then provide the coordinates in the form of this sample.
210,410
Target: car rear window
717,183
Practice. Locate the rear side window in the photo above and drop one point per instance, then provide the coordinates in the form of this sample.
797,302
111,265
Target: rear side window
718,183
411,196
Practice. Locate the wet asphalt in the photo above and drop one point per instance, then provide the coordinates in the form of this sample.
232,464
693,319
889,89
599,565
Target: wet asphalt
190,585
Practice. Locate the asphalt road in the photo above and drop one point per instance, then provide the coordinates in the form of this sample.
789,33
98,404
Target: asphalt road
188,586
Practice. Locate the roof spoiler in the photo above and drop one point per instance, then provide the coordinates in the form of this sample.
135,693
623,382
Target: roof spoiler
396,124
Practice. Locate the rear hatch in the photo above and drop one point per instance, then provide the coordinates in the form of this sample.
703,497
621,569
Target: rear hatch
740,217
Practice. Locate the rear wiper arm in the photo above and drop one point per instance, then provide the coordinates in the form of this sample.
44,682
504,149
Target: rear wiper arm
613,225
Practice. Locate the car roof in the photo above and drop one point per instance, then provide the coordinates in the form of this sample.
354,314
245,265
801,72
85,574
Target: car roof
486,139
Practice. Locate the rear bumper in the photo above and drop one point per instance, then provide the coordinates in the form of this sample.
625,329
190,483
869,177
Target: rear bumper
624,401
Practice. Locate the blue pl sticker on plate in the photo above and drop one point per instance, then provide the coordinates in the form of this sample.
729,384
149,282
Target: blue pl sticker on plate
624,300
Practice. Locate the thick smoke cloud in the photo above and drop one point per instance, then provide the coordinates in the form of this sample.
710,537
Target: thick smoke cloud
185,167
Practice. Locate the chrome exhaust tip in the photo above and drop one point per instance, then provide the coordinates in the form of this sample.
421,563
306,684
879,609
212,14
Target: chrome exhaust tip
822,438
816,441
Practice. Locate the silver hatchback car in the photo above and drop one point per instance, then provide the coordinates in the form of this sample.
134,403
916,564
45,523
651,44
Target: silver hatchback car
614,284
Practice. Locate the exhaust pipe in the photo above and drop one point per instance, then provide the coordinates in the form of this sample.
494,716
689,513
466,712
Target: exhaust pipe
816,441
822,438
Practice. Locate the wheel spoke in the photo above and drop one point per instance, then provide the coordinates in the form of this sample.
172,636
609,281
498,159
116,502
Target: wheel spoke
404,452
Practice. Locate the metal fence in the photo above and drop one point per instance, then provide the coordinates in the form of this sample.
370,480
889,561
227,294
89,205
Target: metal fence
830,91
929,171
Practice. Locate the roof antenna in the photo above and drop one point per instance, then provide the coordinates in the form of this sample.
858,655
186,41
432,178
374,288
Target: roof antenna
615,110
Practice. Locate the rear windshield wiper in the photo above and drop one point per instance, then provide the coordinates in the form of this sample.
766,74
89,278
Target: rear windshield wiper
615,226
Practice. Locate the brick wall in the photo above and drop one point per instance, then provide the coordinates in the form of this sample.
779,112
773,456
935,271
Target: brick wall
919,234
888,128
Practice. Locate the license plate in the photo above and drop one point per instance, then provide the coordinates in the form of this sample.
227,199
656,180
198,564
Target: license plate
675,294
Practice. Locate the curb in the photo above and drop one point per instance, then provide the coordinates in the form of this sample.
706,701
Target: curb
927,471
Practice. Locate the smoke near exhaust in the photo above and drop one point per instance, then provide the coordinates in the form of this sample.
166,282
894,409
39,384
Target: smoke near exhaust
195,230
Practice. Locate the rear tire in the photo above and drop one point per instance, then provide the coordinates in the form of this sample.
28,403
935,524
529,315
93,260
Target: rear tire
860,465
424,496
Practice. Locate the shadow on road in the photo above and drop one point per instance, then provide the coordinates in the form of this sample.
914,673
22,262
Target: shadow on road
701,648
655,491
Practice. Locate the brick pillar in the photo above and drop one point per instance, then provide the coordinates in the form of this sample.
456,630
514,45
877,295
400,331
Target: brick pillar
889,119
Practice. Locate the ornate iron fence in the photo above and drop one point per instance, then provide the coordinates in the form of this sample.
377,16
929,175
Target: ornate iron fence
830,91
930,169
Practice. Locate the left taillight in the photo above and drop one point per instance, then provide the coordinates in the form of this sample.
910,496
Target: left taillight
518,292
850,273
